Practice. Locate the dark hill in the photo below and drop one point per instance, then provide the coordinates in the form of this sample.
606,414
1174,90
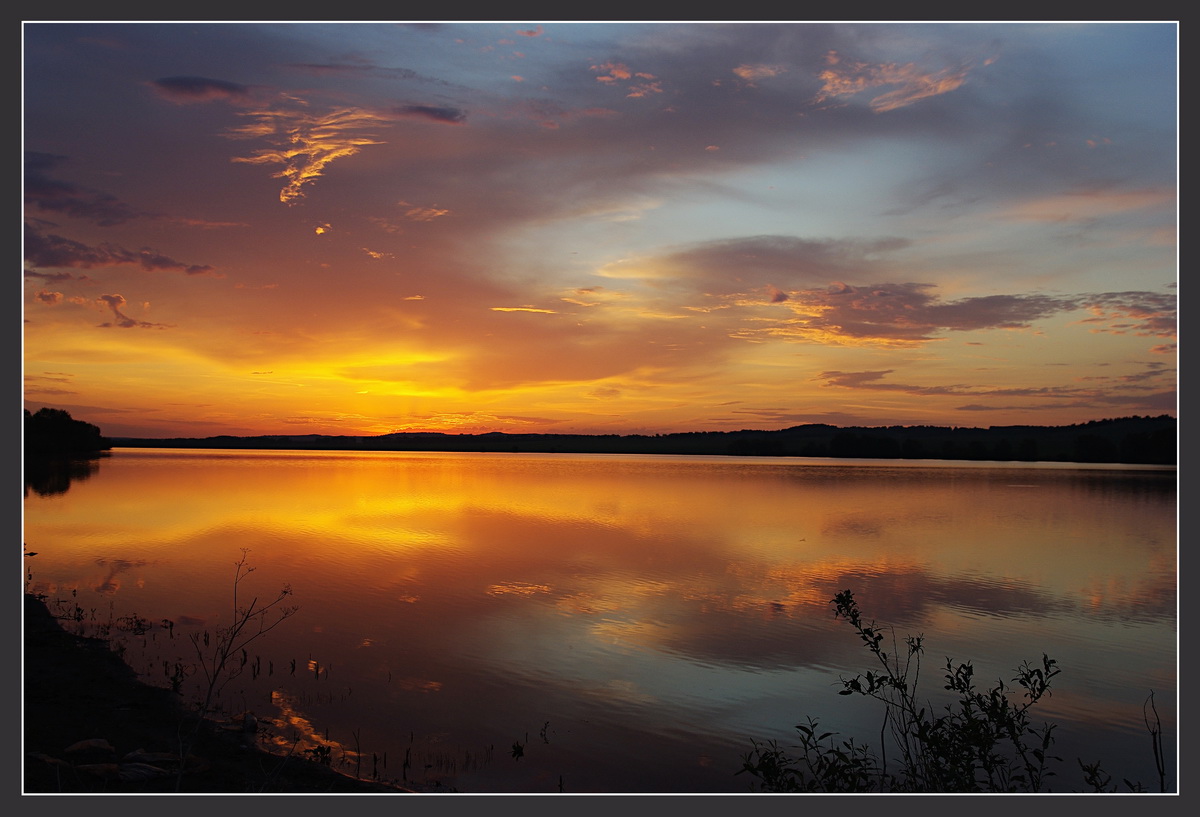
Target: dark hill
1130,440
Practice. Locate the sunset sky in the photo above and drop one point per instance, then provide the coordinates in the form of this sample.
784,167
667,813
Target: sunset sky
295,228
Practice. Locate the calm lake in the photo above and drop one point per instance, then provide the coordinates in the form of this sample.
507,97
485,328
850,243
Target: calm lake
632,622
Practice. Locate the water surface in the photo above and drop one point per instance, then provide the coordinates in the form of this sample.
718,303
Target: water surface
633,622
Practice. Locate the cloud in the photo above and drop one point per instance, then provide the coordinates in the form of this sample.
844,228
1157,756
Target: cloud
411,212
1150,397
414,213
471,421
55,196
868,380
737,266
305,143
849,78
991,311
534,32
185,90
793,289
750,73
115,302
49,250
908,313
1090,205
637,83
54,277
1149,314
432,113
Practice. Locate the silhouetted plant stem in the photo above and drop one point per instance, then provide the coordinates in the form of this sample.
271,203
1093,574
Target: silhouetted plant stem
248,624
1156,741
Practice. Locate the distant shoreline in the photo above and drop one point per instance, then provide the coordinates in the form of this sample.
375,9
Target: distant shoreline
1128,441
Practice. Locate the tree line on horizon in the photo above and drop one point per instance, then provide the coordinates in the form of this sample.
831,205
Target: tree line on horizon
1126,440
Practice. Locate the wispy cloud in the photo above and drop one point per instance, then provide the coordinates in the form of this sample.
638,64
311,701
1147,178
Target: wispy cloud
1152,397
413,213
43,250
913,83
1088,205
306,143
1146,314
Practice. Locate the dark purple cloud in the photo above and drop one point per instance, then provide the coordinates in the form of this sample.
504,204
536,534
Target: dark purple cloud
811,284
874,381
433,113
198,89
1149,398
1151,314
994,311
786,268
786,261
44,250
49,276
910,311
115,302
51,195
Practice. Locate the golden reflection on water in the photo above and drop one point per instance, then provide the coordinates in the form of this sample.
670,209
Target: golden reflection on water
458,588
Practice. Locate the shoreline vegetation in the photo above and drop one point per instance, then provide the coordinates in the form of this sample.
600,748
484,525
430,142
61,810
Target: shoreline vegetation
92,726
1128,440
984,741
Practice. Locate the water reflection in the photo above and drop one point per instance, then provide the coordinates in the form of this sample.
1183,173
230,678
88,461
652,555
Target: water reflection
47,475
657,612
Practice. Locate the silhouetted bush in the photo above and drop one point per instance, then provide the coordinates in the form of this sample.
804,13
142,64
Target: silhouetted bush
985,741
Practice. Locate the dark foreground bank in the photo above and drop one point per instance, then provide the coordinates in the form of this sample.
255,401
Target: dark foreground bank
91,727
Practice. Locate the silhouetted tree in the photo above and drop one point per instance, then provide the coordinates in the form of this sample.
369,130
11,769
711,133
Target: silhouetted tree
53,432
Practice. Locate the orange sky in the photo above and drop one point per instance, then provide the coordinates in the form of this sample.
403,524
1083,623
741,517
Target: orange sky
365,228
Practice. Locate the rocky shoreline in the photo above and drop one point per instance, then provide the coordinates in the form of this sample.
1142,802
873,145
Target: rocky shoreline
92,727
